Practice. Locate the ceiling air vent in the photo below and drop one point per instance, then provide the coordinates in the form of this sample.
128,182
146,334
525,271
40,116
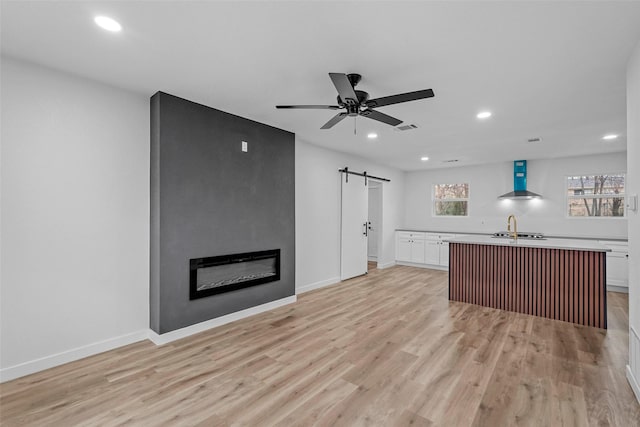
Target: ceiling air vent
450,161
406,127
534,140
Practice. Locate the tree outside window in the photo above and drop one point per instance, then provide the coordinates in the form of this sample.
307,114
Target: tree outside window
451,199
596,195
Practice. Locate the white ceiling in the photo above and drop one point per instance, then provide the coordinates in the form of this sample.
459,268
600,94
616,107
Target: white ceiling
554,70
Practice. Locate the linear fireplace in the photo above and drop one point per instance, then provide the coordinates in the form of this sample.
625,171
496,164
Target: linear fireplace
218,274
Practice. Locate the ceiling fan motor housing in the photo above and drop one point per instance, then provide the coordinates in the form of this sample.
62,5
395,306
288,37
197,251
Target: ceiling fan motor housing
362,98
354,79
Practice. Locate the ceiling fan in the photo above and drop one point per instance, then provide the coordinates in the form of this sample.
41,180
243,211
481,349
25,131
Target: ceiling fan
357,102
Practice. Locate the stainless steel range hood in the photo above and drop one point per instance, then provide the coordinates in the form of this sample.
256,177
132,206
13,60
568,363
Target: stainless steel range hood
520,191
520,195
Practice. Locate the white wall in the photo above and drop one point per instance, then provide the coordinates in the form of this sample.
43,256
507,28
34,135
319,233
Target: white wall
633,186
318,212
487,214
75,217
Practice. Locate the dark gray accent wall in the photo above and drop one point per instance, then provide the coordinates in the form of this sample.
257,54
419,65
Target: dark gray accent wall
209,198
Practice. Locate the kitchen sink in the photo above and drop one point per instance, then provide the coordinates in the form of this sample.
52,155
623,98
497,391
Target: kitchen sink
521,235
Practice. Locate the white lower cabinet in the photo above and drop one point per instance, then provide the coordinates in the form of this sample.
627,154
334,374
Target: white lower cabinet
432,252
438,249
423,248
444,254
410,247
417,251
617,264
403,249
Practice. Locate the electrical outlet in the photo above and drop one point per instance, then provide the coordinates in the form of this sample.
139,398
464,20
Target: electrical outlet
245,146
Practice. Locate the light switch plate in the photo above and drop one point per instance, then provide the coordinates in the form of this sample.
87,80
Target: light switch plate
245,146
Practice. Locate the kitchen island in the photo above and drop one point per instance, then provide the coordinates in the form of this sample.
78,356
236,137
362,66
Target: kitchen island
555,278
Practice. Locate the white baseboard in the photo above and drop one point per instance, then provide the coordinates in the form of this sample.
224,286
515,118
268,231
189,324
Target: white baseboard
318,285
633,368
33,366
372,258
160,339
386,264
429,266
620,289
635,386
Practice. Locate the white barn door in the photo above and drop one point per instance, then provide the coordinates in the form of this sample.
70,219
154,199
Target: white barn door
353,256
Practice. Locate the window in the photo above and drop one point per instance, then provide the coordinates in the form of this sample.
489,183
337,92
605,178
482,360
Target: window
595,195
451,199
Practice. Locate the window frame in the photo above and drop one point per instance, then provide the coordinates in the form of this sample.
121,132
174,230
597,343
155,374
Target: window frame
594,196
434,200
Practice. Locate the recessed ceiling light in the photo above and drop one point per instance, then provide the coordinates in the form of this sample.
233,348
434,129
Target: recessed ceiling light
609,137
484,115
107,23
424,159
372,135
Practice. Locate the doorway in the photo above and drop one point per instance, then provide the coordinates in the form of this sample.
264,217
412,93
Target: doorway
374,223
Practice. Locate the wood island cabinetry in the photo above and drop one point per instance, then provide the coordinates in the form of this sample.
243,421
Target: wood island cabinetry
556,278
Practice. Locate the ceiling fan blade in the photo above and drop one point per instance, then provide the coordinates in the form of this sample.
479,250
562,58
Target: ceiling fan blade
403,97
345,90
334,120
377,115
311,107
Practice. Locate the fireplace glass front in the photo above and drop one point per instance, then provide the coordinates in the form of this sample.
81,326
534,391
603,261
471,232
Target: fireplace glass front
214,275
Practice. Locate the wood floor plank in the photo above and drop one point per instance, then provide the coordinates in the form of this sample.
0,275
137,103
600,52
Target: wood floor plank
384,349
310,411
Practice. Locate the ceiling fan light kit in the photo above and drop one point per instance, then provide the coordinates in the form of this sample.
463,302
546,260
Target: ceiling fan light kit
357,102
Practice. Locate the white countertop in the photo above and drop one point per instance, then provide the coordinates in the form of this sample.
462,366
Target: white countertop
570,244
485,233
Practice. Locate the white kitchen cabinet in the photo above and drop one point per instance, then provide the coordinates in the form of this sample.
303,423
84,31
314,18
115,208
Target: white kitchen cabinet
617,265
410,247
403,249
444,254
432,252
417,251
438,249
423,248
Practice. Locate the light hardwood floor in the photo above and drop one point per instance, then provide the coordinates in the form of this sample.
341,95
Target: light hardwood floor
385,349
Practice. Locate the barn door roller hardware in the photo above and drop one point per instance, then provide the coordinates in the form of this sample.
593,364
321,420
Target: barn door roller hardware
366,176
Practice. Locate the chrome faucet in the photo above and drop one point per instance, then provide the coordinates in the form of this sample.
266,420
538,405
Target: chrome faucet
513,234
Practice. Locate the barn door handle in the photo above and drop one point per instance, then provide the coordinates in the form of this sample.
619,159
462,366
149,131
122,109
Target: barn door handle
366,232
